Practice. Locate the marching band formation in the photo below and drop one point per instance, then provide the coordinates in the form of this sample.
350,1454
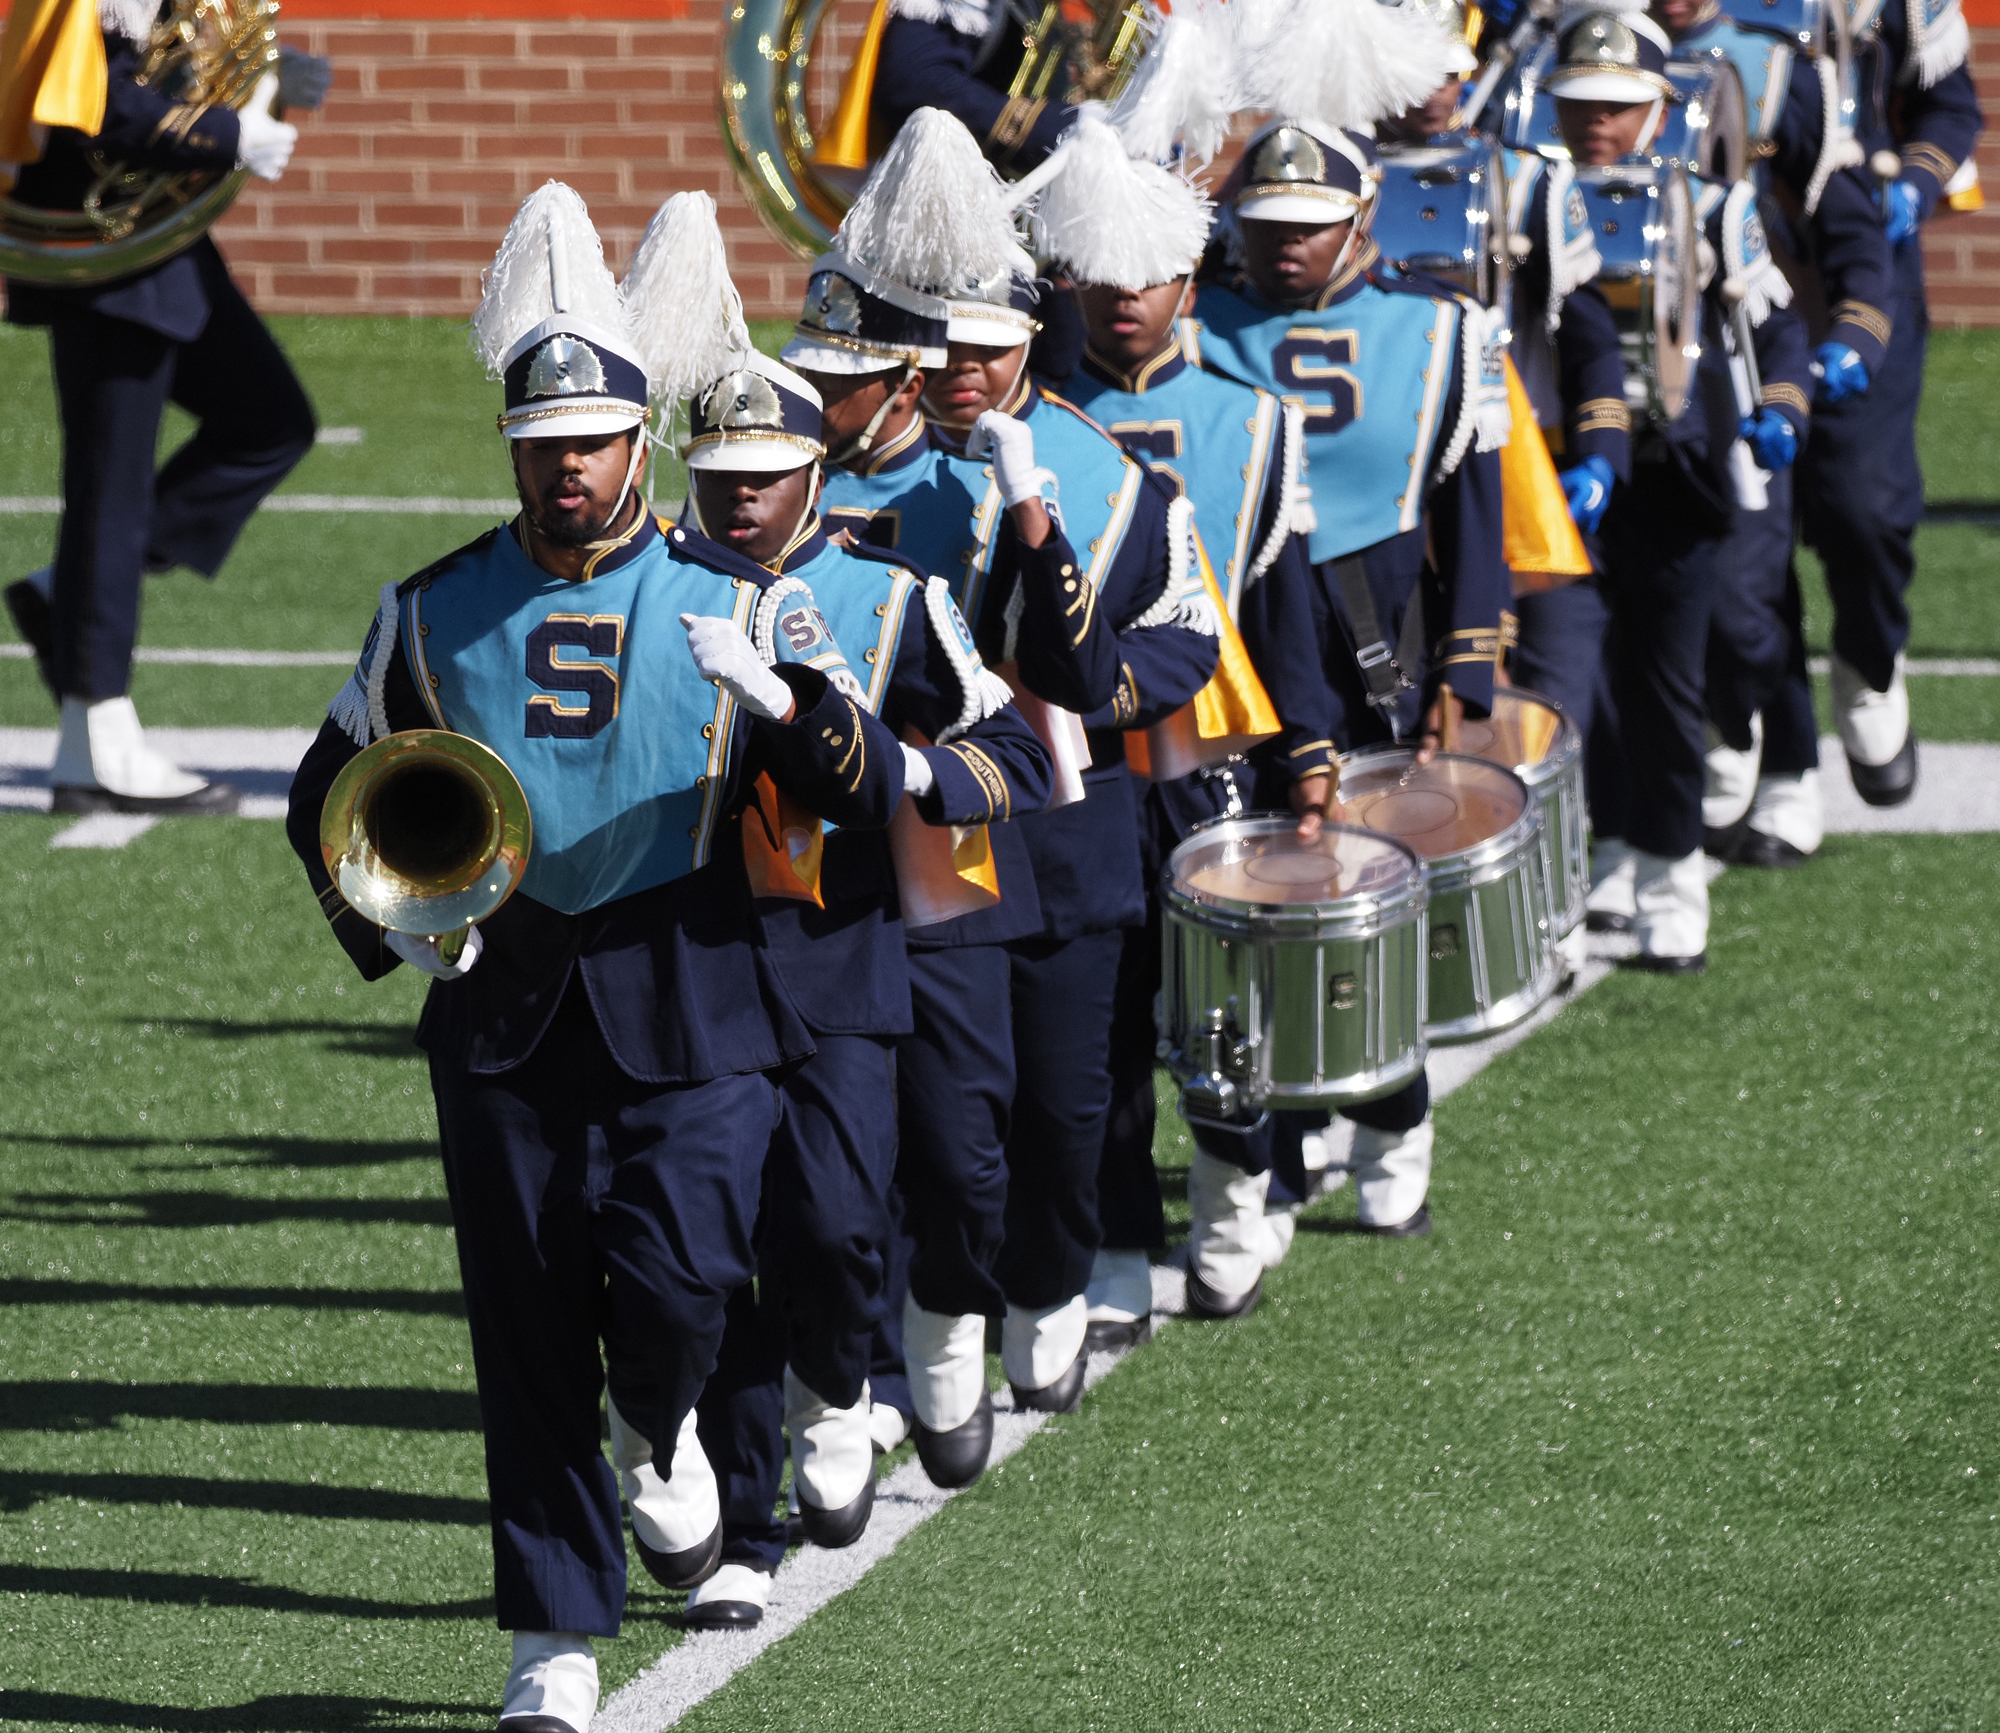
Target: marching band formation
1258,633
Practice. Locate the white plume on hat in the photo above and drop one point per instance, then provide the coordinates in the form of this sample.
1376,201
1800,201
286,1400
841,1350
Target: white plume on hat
1342,63
550,261
685,314
933,215
1114,220
1183,91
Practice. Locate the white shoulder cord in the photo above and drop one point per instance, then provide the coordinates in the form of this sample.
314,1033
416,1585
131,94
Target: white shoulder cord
1468,406
764,622
984,693
359,709
1291,425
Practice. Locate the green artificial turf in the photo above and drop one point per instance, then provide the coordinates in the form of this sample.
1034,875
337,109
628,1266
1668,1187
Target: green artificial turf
1682,1417
1668,1423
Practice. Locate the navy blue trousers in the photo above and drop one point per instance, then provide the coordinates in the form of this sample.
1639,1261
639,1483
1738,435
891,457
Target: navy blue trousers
1004,1088
1662,577
1861,495
1756,636
823,1275
113,381
1561,652
590,1209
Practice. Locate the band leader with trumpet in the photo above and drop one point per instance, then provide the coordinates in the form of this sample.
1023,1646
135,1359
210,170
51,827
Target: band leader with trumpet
101,241
600,1048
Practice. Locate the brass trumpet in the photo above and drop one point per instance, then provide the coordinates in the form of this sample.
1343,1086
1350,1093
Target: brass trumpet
426,832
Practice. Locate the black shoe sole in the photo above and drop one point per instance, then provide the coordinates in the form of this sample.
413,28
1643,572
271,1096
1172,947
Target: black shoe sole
216,800
1695,965
1414,1228
534,1724
1723,844
1205,1302
1758,849
1060,1396
1595,922
28,608
958,1457
1115,1335
685,1569
723,1616
834,1529
1888,784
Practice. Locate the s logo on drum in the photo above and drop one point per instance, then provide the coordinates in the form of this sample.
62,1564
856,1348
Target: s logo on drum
550,718
1317,362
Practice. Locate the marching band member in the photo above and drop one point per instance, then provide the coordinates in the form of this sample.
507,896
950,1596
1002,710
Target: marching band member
175,332
1130,234
1389,374
602,1051
1664,531
963,56
1064,572
801,1367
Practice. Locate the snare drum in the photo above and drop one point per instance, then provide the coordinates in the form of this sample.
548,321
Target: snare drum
1642,218
1443,209
1535,740
1708,130
1293,971
1479,830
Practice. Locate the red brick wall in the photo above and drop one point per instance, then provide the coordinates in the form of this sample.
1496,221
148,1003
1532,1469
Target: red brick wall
435,131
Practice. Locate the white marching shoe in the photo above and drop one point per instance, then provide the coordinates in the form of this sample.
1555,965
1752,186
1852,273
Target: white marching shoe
1875,733
676,1518
945,1357
1120,1300
833,1463
1729,783
103,764
1787,822
1672,923
553,1687
733,1599
1392,1179
1612,905
1042,1352
1231,1240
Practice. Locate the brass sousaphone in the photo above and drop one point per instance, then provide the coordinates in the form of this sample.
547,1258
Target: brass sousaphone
426,832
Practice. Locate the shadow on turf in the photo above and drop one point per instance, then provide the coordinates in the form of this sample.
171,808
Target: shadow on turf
272,1151
212,1209
79,1405
417,1302
302,1714
369,1040
187,1589
24,1489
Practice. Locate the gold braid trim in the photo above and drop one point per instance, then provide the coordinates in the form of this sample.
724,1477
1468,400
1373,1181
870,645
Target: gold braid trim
1787,397
1871,319
999,803
1603,415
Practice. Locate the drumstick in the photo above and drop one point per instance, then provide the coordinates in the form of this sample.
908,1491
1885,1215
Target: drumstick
1447,722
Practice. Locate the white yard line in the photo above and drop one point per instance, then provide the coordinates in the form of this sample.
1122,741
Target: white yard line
704,1661
1932,667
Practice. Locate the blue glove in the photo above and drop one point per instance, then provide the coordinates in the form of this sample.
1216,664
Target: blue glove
1500,14
1841,373
1903,211
1773,441
1587,487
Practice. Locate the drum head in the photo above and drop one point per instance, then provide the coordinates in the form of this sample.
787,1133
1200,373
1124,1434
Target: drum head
1263,863
1520,731
1676,299
1442,808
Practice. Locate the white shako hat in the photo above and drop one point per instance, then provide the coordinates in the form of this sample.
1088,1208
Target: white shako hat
745,411
933,219
1114,220
550,326
856,321
1610,56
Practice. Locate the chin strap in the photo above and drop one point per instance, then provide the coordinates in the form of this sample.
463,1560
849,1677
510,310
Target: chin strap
646,437
859,444
1653,118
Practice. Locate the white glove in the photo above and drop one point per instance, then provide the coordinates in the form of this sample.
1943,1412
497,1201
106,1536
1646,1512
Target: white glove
264,145
722,651
918,778
1011,444
422,953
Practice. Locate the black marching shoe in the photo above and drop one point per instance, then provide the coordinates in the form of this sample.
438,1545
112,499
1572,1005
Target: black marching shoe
683,1569
1206,1302
1060,1396
1695,965
534,1724
1411,1228
211,800
834,1529
733,1599
1759,848
1885,784
1722,844
1603,921
1115,1335
958,1457
28,608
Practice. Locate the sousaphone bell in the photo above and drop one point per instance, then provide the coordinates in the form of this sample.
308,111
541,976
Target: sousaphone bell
426,832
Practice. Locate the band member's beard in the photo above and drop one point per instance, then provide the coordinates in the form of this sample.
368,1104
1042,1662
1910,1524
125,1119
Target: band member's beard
566,530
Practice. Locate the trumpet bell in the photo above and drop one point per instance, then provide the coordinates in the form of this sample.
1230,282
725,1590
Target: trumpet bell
426,832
